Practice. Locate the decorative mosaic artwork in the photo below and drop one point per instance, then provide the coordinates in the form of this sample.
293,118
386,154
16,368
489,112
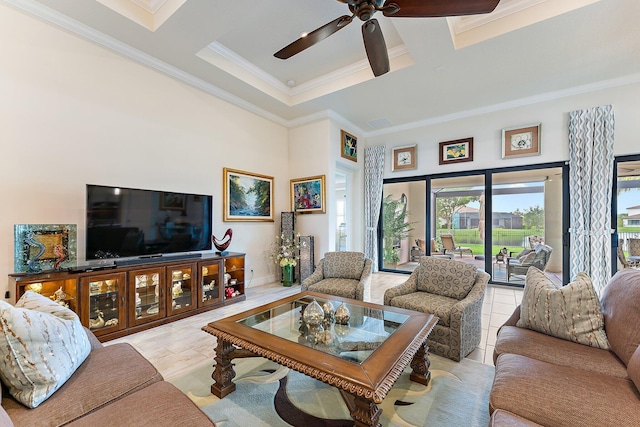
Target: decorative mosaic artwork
41,247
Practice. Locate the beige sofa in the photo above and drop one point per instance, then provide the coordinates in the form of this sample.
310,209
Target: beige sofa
543,380
115,385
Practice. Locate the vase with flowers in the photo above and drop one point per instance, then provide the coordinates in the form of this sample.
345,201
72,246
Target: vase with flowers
285,253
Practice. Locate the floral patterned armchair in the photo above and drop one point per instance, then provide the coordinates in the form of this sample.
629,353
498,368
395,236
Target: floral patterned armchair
451,290
343,274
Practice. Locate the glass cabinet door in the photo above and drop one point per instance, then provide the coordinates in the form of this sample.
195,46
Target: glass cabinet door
210,283
233,278
62,291
103,303
181,292
146,293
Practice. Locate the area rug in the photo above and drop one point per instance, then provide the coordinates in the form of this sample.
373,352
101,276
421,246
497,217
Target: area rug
271,395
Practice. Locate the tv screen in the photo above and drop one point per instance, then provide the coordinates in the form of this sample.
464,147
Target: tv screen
126,222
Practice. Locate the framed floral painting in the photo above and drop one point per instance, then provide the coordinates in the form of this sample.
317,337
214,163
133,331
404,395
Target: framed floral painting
308,195
457,151
348,146
521,141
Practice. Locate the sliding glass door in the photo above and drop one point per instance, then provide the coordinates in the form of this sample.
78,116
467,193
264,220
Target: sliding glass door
457,217
627,212
491,219
526,213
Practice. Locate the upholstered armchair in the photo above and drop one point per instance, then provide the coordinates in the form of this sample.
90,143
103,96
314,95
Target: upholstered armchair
451,290
538,258
343,274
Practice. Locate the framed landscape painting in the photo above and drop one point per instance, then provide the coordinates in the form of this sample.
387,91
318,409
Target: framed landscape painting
460,150
348,146
308,195
247,196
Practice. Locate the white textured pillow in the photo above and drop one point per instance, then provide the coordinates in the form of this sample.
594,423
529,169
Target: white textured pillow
41,346
571,312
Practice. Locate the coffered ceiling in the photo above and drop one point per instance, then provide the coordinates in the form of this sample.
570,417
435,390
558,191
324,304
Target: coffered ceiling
526,50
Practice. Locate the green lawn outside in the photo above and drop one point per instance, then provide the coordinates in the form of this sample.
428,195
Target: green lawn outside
514,240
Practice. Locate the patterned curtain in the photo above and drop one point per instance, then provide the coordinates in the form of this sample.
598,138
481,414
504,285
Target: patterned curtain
590,181
373,175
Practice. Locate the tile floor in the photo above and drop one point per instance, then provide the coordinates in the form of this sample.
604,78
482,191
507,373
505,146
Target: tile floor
176,347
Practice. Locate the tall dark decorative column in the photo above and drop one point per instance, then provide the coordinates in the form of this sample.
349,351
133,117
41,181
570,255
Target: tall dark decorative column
287,228
306,262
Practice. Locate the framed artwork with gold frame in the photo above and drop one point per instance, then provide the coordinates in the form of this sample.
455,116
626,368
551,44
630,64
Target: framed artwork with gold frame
348,146
404,158
308,195
247,196
521,141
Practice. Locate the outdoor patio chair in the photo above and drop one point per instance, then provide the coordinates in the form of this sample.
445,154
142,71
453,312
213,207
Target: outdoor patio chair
535,241
538,258
343,274
450,245
451,290
419,250
622,260
634,252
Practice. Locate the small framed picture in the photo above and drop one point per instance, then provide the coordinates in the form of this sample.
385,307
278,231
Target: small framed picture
308,195
460,150
173,201
404,158
521,141
348,146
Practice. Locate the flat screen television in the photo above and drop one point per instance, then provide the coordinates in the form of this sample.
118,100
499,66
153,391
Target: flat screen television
127,222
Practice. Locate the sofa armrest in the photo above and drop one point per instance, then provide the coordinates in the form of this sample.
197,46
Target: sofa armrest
363,290
315,277
95,343
515,316
408,287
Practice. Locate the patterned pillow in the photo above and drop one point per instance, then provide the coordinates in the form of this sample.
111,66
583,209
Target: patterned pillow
41,346
528,258
571,312
453,279
343,265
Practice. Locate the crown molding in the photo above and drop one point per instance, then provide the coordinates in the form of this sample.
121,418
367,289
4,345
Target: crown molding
522,102
36,9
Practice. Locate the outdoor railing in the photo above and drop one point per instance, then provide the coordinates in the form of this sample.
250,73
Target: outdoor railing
500,237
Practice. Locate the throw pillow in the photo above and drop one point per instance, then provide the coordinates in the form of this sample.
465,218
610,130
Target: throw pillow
528,258
523,253
571,312
41,346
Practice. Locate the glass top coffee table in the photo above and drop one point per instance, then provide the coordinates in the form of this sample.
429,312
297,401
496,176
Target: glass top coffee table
363,359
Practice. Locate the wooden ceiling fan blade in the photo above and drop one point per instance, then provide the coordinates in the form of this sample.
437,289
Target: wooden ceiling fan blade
376,47
438,8
313,37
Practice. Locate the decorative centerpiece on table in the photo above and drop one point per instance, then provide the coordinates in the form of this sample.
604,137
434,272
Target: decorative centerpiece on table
285,253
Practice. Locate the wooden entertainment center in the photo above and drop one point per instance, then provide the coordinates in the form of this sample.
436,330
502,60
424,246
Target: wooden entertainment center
114,301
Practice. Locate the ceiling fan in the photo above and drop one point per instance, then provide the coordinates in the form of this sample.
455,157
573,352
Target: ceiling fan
374,43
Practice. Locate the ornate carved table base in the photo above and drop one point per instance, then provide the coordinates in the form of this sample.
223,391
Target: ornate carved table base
420,365
223,372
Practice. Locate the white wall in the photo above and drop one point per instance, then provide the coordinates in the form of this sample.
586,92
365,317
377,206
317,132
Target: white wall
486,131
73,113
314,149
